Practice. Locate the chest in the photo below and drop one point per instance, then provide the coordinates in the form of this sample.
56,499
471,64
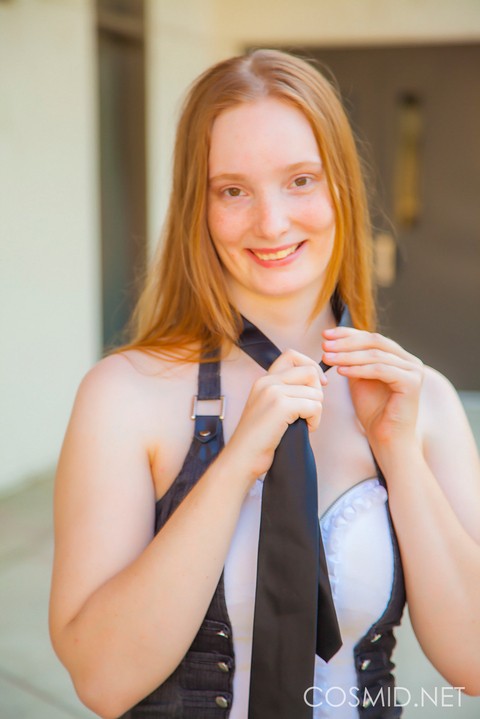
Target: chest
341,451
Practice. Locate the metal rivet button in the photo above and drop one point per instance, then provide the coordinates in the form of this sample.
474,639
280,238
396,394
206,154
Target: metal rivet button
375,638
205,433
222,633
221,702
365,664
223,666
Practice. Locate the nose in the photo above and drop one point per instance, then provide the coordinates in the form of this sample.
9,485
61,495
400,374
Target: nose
271,220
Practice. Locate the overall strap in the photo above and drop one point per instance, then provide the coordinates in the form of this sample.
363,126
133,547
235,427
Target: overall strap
209,377
208,408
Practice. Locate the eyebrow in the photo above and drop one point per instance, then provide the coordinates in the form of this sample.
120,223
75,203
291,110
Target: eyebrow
232,176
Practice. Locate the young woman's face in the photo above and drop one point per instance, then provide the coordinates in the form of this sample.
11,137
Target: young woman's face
270,213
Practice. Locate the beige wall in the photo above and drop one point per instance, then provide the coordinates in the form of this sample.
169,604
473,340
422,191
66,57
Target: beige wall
349,21
49,244
49,323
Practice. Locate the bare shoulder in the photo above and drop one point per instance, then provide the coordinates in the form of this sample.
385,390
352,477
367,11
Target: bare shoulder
450,448
137,402
128,386
108,383
436,385
436,390
132,371
441,407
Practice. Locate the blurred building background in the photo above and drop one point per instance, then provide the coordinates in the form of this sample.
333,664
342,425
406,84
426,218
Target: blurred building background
89,94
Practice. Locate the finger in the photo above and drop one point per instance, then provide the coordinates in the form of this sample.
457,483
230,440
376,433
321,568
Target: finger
307,409
301,392
363,357
289,400
398,378
291,359
349,338
290,383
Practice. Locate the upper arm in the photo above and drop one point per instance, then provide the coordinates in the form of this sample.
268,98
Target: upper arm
104,495
450,449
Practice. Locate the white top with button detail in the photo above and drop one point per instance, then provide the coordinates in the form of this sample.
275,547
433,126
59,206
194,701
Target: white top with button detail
359,553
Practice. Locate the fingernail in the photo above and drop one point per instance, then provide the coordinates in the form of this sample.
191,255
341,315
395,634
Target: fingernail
330,332
329,355
330,343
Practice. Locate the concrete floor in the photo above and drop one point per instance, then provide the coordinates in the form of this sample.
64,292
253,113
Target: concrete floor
33,684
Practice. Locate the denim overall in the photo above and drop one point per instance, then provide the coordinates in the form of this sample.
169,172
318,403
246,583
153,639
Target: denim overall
201,687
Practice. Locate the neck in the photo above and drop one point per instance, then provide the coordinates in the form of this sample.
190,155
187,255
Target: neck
285,322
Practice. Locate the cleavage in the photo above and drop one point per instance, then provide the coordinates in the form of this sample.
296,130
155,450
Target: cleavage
342,453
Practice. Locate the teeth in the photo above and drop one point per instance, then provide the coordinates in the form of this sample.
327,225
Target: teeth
277,255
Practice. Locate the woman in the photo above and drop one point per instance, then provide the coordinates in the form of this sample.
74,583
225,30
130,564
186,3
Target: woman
267,221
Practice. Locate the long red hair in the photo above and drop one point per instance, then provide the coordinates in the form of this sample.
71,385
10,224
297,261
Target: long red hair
184,305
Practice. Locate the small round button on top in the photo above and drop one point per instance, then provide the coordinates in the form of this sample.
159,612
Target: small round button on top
221,702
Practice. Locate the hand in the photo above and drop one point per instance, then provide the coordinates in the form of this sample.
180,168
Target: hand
292,388
385,382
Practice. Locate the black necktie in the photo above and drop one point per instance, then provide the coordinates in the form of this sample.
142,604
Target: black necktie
295,616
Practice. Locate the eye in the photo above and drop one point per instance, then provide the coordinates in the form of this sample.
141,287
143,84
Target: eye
232,192
302,181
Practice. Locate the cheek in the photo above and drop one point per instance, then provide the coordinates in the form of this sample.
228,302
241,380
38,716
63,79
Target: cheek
225,230
319,214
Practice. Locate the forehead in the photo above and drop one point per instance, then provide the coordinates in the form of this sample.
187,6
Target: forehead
267,130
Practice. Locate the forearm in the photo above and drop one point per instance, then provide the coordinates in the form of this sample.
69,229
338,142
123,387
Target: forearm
135,629
441,564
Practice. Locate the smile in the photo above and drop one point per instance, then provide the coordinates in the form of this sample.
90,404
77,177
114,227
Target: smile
278,255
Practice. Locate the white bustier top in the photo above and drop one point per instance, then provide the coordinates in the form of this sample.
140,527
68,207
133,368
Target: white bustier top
359,553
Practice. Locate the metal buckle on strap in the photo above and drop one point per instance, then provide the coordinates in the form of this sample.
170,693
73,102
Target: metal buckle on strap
195,407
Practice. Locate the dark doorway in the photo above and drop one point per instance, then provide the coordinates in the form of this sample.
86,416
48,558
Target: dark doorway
417,109
121,58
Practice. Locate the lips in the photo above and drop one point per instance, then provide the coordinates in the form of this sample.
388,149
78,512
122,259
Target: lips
276,255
